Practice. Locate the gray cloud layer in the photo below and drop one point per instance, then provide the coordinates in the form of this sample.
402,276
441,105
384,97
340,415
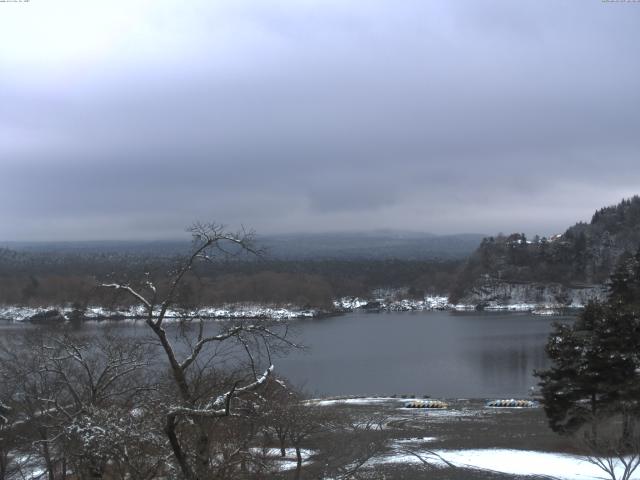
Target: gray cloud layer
132,119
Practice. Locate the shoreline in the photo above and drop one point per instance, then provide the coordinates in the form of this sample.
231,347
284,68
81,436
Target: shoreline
61,314
441,303
478,442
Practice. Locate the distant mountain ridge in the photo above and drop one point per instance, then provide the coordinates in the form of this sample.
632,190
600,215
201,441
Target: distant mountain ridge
561,268
371,245
337,246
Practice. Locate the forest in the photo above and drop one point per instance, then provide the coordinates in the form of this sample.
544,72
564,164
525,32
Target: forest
55,278
585,254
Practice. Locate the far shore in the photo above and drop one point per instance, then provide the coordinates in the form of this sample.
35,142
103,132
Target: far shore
61,314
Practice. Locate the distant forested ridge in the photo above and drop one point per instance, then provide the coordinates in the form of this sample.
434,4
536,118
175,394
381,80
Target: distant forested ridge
555,269
376,245
305,270
372,245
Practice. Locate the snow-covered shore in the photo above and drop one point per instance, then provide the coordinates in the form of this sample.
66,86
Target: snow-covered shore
56,314
430,303
21,313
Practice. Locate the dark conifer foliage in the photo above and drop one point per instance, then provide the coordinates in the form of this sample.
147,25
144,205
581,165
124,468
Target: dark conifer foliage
586,253
595,369
624,287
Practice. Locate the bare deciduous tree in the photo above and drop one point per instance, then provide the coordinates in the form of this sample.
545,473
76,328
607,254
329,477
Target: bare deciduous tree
613,444
6,440
191,399
59,381
191,411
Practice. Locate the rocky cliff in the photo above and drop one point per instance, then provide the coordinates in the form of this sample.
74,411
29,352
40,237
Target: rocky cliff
490,292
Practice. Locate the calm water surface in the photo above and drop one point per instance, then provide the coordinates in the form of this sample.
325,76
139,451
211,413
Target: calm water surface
442,354
446,354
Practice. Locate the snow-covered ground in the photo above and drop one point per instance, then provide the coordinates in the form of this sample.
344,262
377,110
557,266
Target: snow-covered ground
428,303
403,442
344,304
20,314
398,403
512,462
30,469
359,401
441,303
289,461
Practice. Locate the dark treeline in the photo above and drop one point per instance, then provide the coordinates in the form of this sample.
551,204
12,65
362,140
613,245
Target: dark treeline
53,278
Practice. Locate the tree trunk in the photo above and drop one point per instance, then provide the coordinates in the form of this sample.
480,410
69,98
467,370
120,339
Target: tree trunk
4,460
202,454
170,430
178,373
298,463
47,454
627,432
97,471
594,411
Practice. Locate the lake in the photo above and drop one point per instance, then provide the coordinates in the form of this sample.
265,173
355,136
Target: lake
441,353
438,353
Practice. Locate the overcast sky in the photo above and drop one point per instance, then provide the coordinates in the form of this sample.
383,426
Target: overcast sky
132,119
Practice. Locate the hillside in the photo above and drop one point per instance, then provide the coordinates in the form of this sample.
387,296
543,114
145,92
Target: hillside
563,269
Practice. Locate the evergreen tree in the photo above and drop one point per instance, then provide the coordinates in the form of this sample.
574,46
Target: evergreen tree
624,284
619,283
573,387
595,370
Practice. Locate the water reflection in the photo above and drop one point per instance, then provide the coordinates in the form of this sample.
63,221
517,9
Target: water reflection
436,353
444,354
